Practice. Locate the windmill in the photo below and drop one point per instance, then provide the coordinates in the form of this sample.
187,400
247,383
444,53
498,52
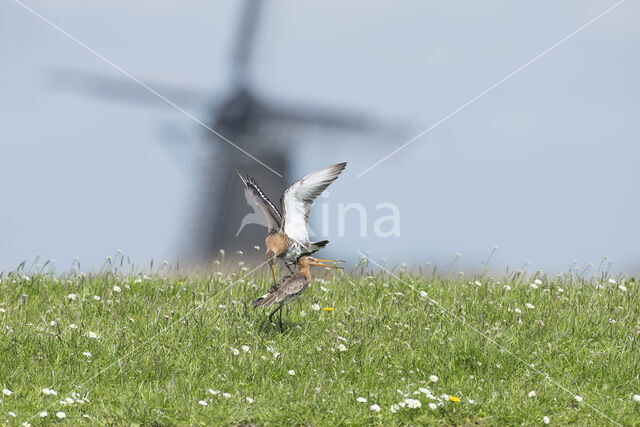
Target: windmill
269,130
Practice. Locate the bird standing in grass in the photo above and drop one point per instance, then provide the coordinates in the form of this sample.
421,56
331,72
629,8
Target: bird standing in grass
289,288
288,234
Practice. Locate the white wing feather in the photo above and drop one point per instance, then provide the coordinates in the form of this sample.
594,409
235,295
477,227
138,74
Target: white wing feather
297,200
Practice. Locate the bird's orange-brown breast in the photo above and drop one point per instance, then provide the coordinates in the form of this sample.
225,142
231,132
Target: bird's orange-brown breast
277,242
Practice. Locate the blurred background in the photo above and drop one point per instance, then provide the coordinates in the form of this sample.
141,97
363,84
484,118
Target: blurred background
544,166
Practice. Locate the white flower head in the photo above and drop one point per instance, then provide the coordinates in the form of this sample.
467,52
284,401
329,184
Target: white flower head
375,407
534,286
578,398
506,287
73,326
413,403
636,397
433,405
117,289
250,400
532,393
292,372
477,283
235,351
303,313
537,282
342,347
13,414
93,335
315,307
61,414
394,408
433,378
203,402
245,348
530,306
7,392
546,420
212,391
226,395
43,414
362,400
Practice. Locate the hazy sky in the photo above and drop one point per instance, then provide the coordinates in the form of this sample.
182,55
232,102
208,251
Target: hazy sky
544,166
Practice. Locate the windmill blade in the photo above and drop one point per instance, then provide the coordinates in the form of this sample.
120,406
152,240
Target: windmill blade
244,43
118,89
334,119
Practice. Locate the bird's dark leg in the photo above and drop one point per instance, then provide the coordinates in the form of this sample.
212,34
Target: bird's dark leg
274,312
289,267
281,318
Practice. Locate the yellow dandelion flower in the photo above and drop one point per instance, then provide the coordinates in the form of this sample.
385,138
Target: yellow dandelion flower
328,309
454,399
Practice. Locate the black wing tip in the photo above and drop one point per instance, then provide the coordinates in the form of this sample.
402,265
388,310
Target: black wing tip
321,243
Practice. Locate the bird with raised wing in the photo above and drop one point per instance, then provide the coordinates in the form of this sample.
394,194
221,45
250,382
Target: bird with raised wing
289,288
288,234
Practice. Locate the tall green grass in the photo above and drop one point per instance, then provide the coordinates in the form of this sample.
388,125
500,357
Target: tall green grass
160,348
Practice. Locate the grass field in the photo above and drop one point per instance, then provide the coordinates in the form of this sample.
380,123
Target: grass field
116,347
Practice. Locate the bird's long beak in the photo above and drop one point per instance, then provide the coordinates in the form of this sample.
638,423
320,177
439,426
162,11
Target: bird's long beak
319,262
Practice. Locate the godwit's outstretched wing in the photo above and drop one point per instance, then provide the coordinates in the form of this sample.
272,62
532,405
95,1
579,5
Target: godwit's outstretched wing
297,200
262,201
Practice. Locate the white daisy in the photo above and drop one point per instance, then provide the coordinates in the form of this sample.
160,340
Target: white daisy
93,335
276,355
578,398
532,393
212,391
636,397
538,282
72,297
477,283
530,306
342,347
96,297
117,289
73,326
61,414
546,419
250,400
375,407
517,310
49,392
394,408
362,399
433,378
315,307
13,414
226,395
43,414
235,351
413,403
506,287
86,353
302,313
245,348
7,392
203,402
292,372
433,405
534,286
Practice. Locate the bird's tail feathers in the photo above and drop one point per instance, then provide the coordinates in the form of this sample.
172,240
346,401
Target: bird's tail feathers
265,300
